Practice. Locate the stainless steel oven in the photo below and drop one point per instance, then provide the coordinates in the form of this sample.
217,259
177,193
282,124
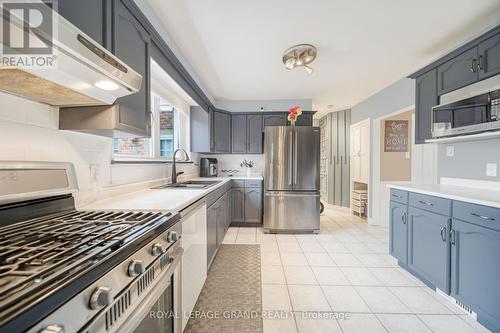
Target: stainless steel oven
462,113
66,270
159,310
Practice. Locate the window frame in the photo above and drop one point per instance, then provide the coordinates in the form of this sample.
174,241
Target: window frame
154,140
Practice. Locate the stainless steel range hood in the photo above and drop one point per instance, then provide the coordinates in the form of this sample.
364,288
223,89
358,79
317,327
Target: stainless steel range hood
85,73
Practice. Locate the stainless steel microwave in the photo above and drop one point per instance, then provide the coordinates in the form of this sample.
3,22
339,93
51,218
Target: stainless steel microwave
479,113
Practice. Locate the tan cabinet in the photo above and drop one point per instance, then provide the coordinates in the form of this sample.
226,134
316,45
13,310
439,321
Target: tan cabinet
360,151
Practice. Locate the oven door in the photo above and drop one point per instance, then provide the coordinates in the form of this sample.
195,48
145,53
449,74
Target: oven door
152,303
160,310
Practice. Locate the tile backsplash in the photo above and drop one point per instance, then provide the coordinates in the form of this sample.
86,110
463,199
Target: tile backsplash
29,132
232,163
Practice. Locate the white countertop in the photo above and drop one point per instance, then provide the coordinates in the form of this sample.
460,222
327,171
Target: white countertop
486,197
159,200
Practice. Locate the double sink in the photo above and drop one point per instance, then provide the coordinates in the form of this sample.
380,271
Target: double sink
190,185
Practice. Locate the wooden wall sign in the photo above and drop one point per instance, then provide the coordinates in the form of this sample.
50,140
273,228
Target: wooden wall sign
396,136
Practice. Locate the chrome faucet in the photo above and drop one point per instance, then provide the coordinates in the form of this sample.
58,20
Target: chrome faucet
174,171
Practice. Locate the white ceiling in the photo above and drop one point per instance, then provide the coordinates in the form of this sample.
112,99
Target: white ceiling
235,46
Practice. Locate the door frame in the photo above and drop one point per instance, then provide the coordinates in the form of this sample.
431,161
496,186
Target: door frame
423,169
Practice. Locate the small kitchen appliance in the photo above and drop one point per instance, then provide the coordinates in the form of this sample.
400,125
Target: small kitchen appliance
208,167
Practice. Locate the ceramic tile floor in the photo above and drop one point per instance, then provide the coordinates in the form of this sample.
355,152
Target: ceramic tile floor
343,280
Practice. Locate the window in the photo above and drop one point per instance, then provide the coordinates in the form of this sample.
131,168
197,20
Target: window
168,141
164,137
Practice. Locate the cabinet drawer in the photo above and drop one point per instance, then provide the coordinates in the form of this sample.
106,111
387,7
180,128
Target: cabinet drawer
238,183
481,215
399,196
430,203
253,183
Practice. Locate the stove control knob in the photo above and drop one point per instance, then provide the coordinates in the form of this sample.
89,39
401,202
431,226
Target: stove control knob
135,268
157,249
101,297
172,236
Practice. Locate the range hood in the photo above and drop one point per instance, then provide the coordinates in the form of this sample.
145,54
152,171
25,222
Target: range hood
85,73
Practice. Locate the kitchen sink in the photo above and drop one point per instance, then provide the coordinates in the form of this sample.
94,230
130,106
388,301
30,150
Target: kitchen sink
190,184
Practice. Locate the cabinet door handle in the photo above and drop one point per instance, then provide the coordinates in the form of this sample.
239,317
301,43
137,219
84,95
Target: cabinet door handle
480,63
452,236
426,203
443,234
473,66
487,218
397,196
403,218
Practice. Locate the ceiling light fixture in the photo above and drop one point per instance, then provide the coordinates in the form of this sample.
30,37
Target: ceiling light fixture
300,55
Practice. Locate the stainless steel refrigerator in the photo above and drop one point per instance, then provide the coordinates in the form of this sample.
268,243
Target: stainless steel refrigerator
291,179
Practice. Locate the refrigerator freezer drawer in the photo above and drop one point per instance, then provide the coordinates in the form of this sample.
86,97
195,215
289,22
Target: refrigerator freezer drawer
291,212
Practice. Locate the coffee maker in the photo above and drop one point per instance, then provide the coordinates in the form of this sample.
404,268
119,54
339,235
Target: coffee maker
208,167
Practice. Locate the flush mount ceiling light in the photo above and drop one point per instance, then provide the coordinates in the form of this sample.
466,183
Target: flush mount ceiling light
300,56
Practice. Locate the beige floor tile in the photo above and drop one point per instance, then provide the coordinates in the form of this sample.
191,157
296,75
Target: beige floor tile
280,325
275,297
345,299
294,259
447,324
403,323
308,298
273,275
270,258
323,325
312,247
330,276
381,300
419,301
361,323
290,247
319,259
299,275
360,276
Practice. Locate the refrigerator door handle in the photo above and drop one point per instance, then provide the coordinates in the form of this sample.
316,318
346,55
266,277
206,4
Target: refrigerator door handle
292,194
290,160
295,157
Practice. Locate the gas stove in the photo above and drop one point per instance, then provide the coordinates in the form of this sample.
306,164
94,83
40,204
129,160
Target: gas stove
63,270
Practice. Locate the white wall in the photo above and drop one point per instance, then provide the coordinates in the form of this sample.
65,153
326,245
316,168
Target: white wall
29,132
398,97
268,105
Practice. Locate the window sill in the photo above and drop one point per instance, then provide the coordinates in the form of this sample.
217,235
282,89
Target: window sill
145,160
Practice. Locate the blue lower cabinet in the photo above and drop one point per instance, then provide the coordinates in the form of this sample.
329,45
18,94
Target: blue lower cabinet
398,240
475,270
428,247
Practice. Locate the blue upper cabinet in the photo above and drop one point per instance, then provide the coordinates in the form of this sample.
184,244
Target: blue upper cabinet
428,246
426,97
90,16
475,270
458,72
477,60
131,43
398,241
489,57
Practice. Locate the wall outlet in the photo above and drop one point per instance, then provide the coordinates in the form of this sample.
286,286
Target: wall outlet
407,155
491,169
450,151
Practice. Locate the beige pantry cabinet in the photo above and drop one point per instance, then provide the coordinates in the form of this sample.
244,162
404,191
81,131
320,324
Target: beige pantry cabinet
360,151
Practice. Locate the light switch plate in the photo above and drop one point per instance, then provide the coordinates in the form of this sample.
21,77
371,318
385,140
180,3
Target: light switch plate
407,155
450,151
491,169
